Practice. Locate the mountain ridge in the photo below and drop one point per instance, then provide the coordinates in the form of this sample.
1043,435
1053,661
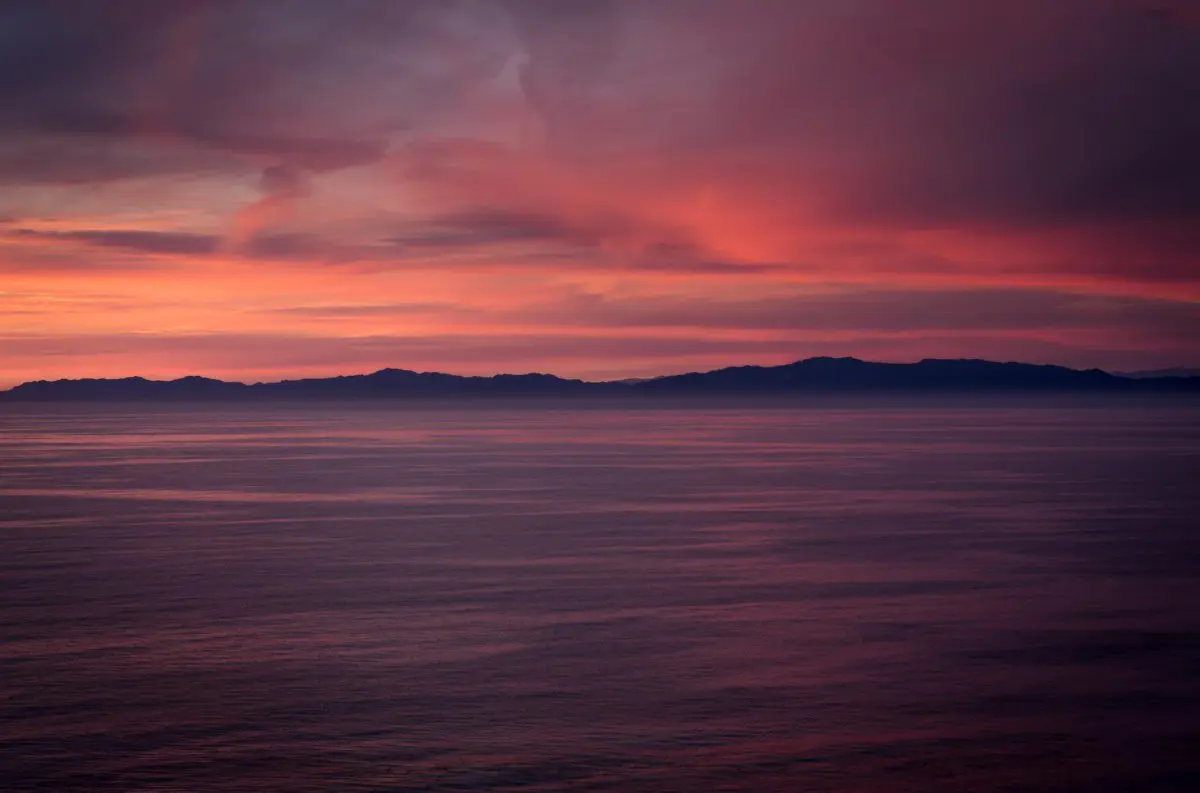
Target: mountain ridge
811,375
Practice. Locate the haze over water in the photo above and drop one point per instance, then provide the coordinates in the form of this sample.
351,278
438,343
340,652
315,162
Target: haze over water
872,597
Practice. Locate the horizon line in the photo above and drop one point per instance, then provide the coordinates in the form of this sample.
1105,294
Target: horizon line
1130,374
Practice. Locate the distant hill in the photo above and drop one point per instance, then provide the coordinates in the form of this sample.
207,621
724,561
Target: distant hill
811,376
381,384
851,374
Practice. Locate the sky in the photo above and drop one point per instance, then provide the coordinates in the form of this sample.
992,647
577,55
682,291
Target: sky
256,189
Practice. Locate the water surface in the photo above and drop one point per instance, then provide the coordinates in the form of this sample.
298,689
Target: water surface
863,598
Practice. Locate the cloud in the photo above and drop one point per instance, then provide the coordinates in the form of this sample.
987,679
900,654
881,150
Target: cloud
282,187
482,226
73,160
169,242
317,85
849,111
539,245
338,312
989,167
888,311
1021,112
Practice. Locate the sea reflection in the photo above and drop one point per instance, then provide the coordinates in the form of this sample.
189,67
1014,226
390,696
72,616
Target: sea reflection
867,598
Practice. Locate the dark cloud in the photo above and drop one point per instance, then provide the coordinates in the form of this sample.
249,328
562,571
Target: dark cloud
263,246
283,180
442,239
132,240
80,160
293,246
315,154
1165,251
569,47
1015,111
1020,111
485,226
312,83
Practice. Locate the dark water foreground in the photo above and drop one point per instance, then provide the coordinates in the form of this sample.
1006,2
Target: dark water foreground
863,599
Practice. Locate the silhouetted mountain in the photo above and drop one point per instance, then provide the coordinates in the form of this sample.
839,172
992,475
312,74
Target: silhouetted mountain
386,383
127,388
851,374
402,382
815,375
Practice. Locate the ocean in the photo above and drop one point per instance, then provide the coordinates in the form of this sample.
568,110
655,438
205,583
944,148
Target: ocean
873,596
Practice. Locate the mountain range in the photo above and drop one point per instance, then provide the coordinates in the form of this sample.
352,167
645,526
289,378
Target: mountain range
813,375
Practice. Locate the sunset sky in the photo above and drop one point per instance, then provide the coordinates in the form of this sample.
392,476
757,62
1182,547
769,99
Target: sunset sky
258,189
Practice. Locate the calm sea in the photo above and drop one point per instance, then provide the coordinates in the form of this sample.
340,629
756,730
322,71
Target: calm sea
866,598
